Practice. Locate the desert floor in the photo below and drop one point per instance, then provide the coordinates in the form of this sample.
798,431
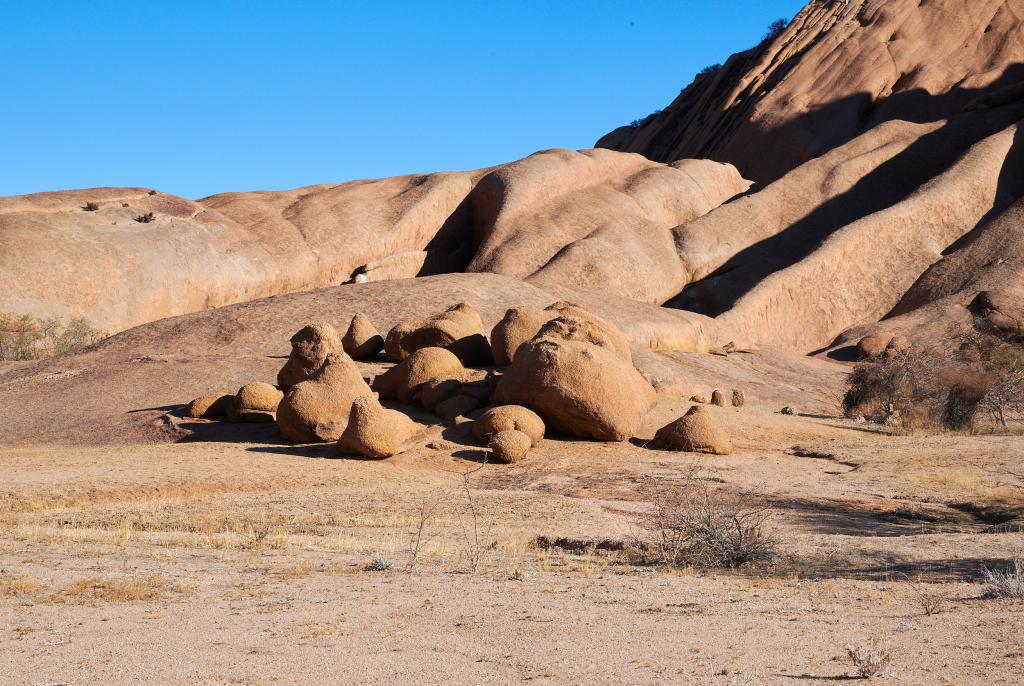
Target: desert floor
246,562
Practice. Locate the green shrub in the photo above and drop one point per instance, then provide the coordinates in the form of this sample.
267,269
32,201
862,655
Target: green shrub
24,337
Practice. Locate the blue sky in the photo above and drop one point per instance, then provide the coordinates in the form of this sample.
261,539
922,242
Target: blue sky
195,98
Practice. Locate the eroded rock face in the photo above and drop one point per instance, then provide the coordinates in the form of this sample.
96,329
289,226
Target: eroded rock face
317,409
255,402
362,340
578,388
374,431
695,432
458,329
310,348
506,418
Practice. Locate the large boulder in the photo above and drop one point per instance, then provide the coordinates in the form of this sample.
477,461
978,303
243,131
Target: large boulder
310,347
209,405
317,410
459,329
509,447
255,402
578,387
694,432
362,340
374,431
507,418
519,325
422,366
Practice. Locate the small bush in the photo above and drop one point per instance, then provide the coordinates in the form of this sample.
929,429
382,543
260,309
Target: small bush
710,69
1008,584
690,526
918,389
91,206
145,218
775,30
23,337
870,661
380,562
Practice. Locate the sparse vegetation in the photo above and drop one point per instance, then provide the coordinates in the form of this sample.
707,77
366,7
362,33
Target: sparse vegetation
145,218
870,661
1008,584
24,337
90,206
380,562
915,389
689,525
710,69
775,30
114,590
637,123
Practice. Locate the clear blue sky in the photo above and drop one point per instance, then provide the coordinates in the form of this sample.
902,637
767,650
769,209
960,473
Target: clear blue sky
195,98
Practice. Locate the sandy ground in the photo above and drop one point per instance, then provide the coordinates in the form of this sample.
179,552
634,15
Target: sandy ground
246,562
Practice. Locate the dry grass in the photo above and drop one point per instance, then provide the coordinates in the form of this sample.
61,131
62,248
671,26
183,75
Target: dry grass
16,587
1008,584
91,590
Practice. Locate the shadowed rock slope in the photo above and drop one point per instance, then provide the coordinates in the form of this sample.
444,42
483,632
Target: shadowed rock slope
839,69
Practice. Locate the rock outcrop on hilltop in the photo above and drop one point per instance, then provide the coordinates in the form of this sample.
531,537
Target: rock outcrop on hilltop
839,69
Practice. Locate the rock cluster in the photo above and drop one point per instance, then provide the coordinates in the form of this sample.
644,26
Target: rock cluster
567,370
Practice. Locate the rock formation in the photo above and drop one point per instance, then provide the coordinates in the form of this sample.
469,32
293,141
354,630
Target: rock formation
578,387
376,432
507,418
695,432
317,409
509,447
310,348
362,340
256,402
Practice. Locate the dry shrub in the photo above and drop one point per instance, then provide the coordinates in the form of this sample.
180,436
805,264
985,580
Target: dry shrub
689,525
916,389
870,661
24,337
1008,584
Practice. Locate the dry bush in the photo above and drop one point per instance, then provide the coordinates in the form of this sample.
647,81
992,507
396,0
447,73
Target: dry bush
1008,584
915,389
870,661
24,337
380,562
691,526
145,218
90,206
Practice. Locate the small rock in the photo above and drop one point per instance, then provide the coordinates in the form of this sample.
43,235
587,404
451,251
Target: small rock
718,398
738,398
510,446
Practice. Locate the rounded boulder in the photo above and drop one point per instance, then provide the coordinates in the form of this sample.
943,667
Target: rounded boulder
695,432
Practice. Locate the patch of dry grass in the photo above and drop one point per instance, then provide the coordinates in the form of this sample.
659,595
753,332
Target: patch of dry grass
16,586
150,588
